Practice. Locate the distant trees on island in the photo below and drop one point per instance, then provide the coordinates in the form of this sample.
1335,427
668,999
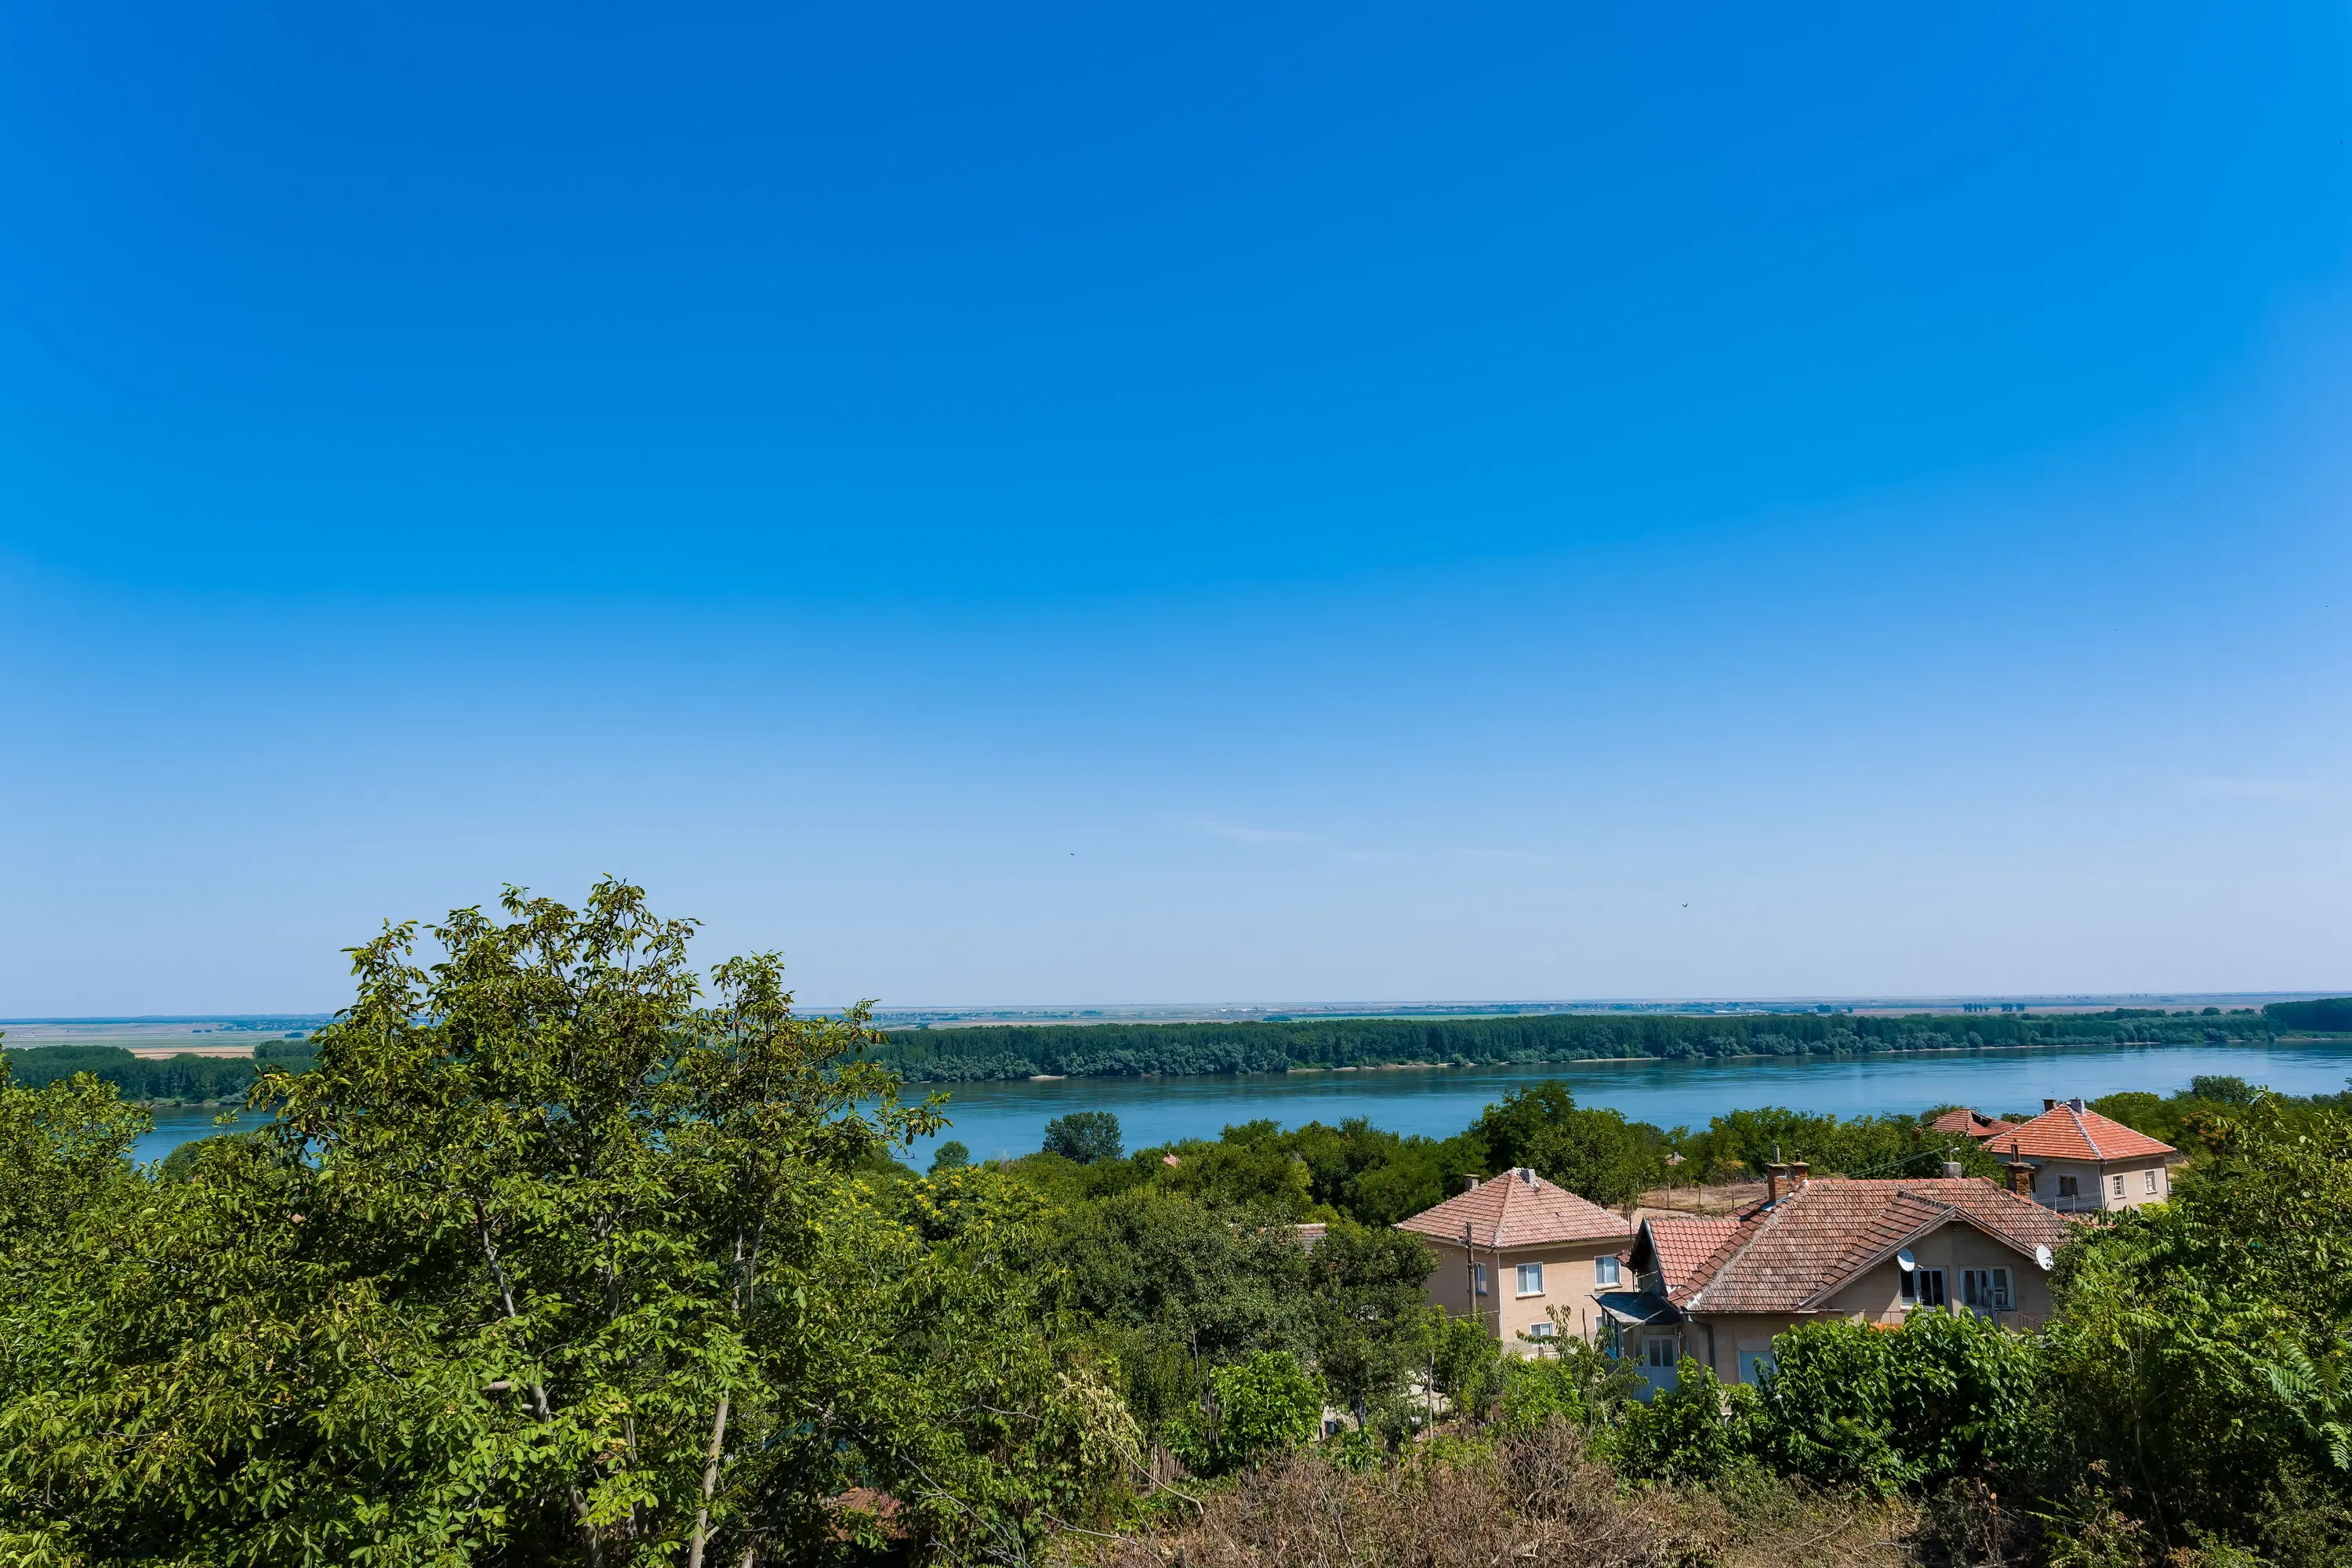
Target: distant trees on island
1113,1050
1129,1050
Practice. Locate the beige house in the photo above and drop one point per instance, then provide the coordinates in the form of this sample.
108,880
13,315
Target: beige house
1511,1248
1717,1290
2074,1160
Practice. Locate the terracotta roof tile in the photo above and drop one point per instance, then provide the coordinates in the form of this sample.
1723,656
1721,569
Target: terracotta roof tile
1519,1209
1970,1125
2064,1132
1784,1257
1689,1251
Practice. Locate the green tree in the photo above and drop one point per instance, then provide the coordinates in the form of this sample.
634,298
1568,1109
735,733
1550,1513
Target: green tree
1084,1136
1368,1302
545,1262
2198,1353
949,1156
1264,1404
1595,1153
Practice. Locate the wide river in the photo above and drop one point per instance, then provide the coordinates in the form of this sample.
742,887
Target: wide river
997,1120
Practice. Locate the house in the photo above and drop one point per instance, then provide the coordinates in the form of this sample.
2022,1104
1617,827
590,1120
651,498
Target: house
1717,1290
2074,1160
1970,1125
1512,1247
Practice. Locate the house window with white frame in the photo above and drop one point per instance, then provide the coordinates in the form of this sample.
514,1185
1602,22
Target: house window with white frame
1604,1269
2119,1183
1530,1278
1986,1289
1922,1288
1542,1330
2151,1181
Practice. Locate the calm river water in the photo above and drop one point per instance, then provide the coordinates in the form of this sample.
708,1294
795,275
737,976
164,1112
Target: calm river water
996,1120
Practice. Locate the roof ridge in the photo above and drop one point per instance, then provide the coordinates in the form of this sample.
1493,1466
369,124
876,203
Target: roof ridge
2076,1112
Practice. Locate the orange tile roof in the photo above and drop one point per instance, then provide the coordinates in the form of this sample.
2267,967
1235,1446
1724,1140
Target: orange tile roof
1785,1257
1517,1209
1969,1124
2063,1132
1687,1248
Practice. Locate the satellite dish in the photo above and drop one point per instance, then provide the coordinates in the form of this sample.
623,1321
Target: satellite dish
1904,1261
2042,1256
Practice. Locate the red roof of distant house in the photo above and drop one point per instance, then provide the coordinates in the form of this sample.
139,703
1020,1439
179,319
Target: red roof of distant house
1784,1256
2064,1132
1518,1209
1969,1124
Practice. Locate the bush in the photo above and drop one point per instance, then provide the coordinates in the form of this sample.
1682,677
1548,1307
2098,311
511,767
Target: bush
1691,1432
950,1155
1265,1404
1577,1384
1850,1405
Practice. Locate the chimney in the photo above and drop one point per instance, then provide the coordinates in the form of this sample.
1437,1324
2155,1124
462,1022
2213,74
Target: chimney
1799,1172
2077,1103
2048,1104
1469,1183
1775,1175
1951,1169
2020,1177
1527,1173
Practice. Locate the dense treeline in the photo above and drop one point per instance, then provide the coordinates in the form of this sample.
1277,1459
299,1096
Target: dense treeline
1110,1051
184,1080
2330,1013
552,1258
180,1079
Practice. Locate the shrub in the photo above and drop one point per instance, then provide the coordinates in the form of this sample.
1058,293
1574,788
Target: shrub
1691,1432
1265,1404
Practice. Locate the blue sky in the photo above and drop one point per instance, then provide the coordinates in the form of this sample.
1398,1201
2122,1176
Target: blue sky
1263,503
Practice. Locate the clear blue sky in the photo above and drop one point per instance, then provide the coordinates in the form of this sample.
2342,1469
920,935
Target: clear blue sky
1242,502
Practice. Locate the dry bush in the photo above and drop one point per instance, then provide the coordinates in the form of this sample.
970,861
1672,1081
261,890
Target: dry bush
1538,1498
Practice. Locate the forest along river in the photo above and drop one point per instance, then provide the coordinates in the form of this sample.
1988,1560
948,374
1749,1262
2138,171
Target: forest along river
998,1121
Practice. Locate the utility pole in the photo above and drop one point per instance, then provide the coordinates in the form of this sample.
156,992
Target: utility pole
1470,1276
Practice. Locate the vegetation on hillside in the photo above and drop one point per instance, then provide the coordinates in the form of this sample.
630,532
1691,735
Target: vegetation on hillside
564,1252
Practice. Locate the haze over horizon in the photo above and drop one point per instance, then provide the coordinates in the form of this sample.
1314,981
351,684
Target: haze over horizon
1318,502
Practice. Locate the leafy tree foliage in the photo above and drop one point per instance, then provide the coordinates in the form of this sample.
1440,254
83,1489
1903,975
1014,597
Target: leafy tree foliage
1085,1137
2200,1356
949,1156
1264,1404
546,1262
1597,1154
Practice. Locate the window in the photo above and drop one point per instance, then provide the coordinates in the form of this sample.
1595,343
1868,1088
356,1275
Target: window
2068,1188
1986,1289
1660,1353
2119,1183
2151,1181
1530,1278
1539,1331
1604,1268
1754,1366
1480,1269
1923,1287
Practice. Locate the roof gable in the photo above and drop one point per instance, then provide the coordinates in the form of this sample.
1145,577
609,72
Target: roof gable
1519,1208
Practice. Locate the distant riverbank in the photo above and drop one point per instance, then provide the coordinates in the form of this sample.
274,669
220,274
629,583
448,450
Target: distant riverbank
1045,1052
